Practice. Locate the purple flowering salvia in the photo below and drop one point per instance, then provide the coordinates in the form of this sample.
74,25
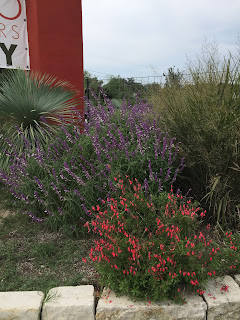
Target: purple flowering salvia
85,210
38,198
175,175
111,185
25,199
178,191
58,192
146,186
62,176
118,143
164,147
68,134
92,168
100,189
186,195
108,167
168,174
26,142
54,174
86,173
155,150
40,185
78,179
79,195
160,185
150,170
65,189
60,211
104,174
170,159
48,212
34,218
171,143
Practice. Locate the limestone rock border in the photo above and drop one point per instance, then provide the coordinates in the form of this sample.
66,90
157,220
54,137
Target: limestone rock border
220,301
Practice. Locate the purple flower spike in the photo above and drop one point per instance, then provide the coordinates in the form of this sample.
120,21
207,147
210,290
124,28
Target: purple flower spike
40,186
146,186
160,185
58,192
171,143
170,159
168,174
79,195
150,170
85,210
60,211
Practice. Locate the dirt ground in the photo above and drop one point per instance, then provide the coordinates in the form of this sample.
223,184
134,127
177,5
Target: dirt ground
5,213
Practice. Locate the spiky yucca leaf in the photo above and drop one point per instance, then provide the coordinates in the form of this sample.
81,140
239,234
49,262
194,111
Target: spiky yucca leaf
33,103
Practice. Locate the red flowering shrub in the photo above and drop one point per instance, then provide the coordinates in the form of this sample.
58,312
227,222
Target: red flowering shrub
154,252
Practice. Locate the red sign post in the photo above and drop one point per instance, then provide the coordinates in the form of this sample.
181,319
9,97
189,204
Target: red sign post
55,40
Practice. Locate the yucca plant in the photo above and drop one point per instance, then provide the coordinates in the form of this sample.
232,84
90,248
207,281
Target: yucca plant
31,107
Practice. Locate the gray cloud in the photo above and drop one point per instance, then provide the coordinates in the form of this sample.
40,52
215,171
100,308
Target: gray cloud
128,37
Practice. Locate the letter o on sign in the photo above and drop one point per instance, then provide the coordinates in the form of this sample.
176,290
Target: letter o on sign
15,17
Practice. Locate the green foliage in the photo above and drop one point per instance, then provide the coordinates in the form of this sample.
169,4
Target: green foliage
93,83
173,79
59,203
29,259
204,115
151,252
117,103
120,88
57,187
31,105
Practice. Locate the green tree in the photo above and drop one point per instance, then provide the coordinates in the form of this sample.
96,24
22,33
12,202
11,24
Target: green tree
119,88
91,82
173,79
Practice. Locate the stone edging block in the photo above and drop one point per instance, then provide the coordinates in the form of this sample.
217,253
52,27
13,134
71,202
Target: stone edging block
20,305
223,299
70,303
122,308
237,278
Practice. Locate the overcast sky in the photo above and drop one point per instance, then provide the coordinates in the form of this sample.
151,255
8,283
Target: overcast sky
137,38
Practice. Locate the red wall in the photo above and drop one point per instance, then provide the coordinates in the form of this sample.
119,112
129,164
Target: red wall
55,40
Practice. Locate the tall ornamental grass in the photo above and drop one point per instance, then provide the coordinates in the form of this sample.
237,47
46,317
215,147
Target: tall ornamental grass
59,184
204,114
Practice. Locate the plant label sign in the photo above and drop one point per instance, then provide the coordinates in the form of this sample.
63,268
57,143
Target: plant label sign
14,51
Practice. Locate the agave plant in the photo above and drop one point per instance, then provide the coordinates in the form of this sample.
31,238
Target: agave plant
31,107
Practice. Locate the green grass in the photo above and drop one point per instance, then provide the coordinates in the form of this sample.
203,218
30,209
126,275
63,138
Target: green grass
32,258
